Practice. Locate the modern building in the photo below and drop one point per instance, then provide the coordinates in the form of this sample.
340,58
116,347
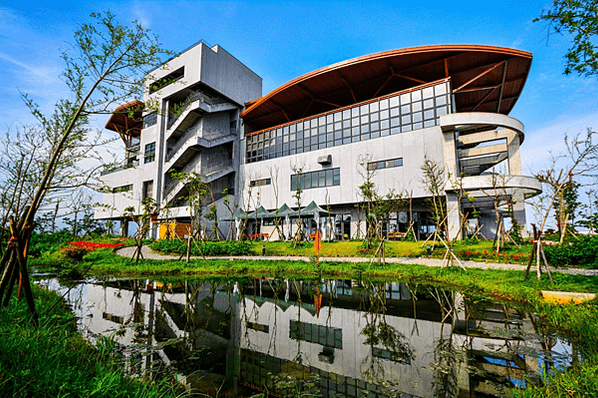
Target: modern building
375,117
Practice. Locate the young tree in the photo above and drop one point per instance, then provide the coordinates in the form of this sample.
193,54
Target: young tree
579,18
106,65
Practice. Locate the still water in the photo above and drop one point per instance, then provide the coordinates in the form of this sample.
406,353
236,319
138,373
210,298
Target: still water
330,338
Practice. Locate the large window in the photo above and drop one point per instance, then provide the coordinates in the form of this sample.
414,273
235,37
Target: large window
385,164
319,334
394,114
149,153
316,179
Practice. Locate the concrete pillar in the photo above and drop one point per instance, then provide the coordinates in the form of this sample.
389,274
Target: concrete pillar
454,217
514,155
124,227
489,226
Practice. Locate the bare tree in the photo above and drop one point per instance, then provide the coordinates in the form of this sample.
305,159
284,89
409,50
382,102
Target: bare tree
106,65
581,157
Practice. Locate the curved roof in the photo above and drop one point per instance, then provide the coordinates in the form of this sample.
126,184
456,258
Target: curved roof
126,119
484,79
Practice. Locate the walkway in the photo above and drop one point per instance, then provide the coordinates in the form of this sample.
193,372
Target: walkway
431,262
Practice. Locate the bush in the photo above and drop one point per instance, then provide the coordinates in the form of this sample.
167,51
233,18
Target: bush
582,253
74,253
224,248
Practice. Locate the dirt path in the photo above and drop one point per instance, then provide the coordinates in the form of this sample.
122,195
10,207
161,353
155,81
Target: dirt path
431,262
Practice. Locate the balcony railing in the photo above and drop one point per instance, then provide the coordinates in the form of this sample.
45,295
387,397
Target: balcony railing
194,96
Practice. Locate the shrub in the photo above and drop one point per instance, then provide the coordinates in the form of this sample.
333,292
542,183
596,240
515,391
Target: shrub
224,248
582,252
74,253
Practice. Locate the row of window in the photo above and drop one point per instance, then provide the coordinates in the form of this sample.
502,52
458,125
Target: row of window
392,115
316,179
385,164
259,183
319,334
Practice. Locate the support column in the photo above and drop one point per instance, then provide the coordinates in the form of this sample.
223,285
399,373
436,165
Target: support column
454,217
124,227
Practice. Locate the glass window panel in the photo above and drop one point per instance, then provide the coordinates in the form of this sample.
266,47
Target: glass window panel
330,128
428,92
398,162
299,135
329,118
394,112
441,111
384,124
374,107
346,114
374,116
365,136
293,151
285,129
355,138
380,165
394,122
346,123
329,177
365,128
322,130
293,145
416,106
375,134
429,103
338,116
306,142
389,163
314,140
293,128
355,131
338,142
429,123
307,180
294,182
385,133
406,119
429,114
321,120
441,100
394,101
314,147
384,104
417,126
337,177
440,89
355,121
347,140
417,117
416,95
365,119
322,145
299,149
338,135
322,178
338,126
406,128
355,112
384,114
375,126
346,133
405,98
405,109
329,137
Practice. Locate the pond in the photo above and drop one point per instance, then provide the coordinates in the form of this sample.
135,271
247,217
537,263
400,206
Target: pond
346,338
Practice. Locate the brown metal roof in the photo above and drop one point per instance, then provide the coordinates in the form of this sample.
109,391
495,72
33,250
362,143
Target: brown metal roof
126,119
483,79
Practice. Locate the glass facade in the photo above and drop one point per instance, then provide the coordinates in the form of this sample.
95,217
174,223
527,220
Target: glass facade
394,114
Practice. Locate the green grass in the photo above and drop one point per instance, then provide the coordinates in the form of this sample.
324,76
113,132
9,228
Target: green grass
54,360
336,249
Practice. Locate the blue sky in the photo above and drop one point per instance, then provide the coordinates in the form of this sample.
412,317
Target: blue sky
283,40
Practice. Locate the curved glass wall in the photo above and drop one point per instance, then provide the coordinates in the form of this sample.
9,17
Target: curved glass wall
394,114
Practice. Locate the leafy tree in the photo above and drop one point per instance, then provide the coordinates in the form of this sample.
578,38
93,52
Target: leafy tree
579,18
106,65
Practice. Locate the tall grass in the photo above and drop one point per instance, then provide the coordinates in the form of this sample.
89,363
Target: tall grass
53,360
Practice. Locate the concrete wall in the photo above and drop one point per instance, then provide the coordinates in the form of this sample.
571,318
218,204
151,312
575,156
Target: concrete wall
411,146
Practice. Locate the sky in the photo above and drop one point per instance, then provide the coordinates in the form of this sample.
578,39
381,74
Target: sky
283,40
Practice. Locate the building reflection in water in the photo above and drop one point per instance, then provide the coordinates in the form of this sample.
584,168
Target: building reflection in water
360,338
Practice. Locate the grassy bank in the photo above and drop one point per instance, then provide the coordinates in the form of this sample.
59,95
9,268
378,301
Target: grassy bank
55,361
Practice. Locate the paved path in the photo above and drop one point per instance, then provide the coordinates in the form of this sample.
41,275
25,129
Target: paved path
432,262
